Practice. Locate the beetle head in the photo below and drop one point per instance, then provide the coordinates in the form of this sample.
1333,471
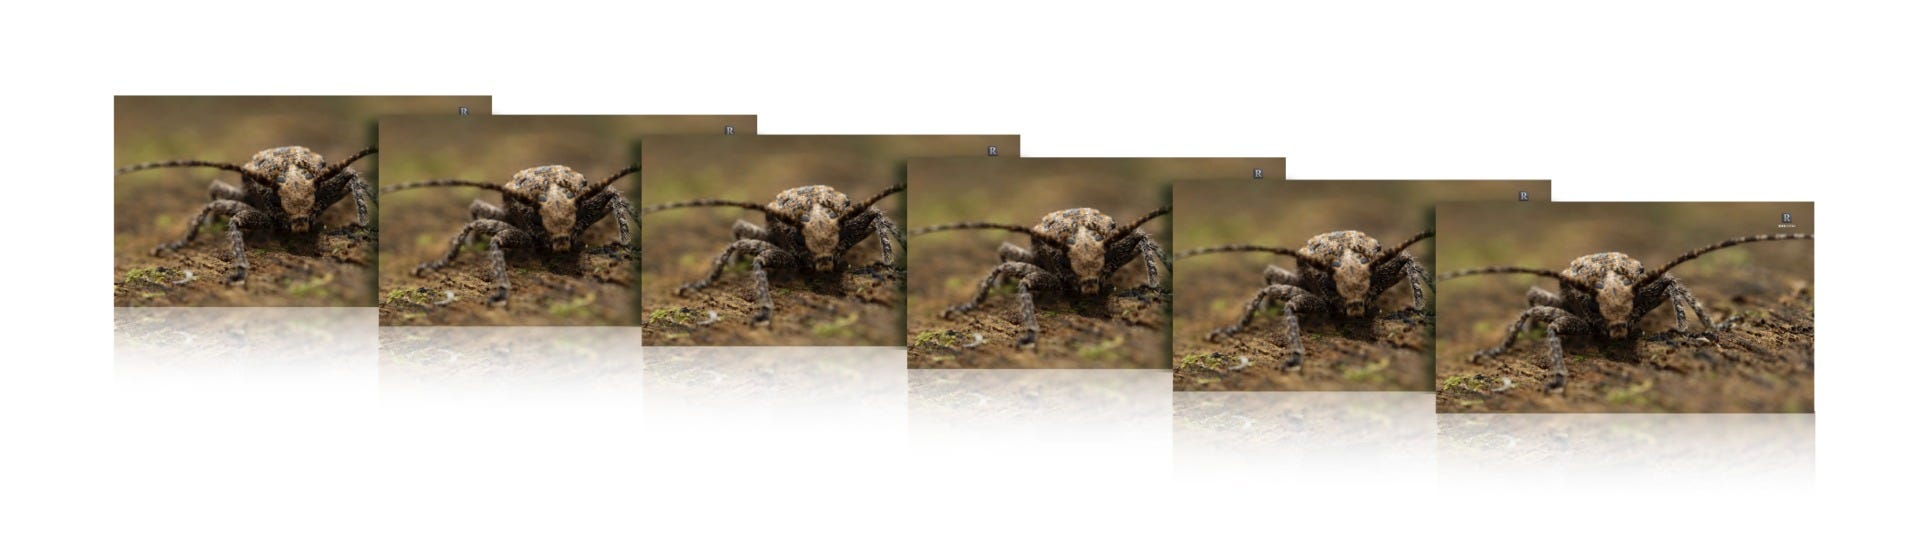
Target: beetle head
1087,252
296,197
1615,304
1354,279
821,227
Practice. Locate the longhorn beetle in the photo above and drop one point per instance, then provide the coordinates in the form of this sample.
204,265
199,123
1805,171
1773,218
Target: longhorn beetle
1077,250
1609,291
1341,273
545,208
284,189
807,228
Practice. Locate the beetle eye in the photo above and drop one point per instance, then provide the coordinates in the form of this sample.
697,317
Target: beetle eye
1071,238
806,217
569,195
1335,262
1095,236
542,197
831,214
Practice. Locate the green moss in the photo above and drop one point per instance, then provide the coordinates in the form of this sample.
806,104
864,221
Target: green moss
1467,382
945,339
312,287
1633,395
836,328
681,316
410,295
677,316
578,307
1368,373
1210,361
1103,350
152,275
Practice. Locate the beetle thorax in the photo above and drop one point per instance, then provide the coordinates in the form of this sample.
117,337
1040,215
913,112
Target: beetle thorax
557,213
1087,254
1615,303
822,231
1353,278
296,192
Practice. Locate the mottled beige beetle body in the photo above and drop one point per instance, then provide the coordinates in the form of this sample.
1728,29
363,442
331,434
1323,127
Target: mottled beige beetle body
556,188
293,169
1083,230
818,209
1613,275
1347,252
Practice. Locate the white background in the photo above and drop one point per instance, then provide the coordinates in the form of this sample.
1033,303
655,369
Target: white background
1614,101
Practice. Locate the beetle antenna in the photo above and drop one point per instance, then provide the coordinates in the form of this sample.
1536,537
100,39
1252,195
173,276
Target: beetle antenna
1695,253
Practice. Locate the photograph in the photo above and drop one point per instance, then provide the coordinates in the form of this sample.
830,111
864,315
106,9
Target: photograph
516,220
252,200
781,240
1047,263
1625,307
1311,285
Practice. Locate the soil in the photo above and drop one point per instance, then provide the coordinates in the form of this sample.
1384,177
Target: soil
327,269
1761,363
1390,352
852,307
1122,331
546,289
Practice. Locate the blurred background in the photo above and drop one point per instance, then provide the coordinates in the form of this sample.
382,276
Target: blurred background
152,207
417,225
680,244
1213,290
